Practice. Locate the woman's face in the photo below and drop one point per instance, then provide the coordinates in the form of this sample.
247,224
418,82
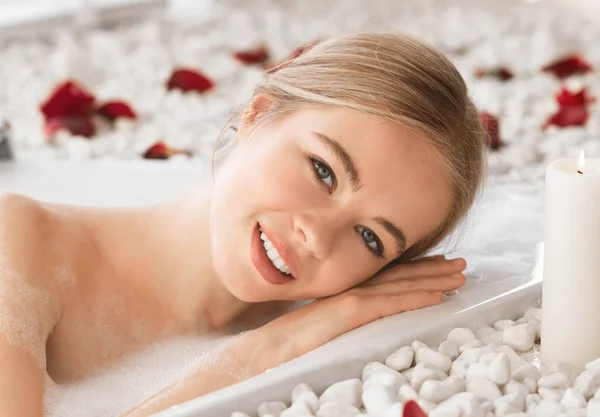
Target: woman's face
337,193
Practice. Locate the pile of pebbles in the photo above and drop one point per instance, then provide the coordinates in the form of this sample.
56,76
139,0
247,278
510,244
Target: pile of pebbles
491,371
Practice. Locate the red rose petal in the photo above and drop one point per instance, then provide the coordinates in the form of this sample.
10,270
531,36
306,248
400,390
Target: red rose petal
256,55
112,110
413,409
79,126
160,150
568,116
568,65
567,98
491,126
296,52
501,73
189,80
68,100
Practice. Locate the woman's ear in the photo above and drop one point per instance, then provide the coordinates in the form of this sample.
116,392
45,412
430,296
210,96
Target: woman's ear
259,105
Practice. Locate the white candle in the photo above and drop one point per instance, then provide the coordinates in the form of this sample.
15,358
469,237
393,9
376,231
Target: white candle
571,286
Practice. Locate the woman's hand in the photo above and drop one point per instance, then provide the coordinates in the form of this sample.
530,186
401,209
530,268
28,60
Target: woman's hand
411,286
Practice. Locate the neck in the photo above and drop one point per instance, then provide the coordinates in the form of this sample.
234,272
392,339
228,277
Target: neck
165,250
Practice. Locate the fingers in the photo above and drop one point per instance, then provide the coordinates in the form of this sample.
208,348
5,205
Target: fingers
387,306
422,268
399,286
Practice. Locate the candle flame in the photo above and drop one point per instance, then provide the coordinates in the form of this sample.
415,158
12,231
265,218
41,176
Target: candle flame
581,164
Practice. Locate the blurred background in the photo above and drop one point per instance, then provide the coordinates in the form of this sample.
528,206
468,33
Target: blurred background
141,80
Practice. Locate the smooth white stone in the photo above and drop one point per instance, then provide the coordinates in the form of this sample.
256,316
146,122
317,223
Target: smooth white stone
530,312
438,391
483,389
334,409
520,338
418,345
547,408
487,358
565,368
406,392
271,407
427,406
470,356
573,399
555,380
449,349
392,382
531,385
595,364
593,408
519,414
531,401
459,368
460,335
376,368
511,403
394,410
526,371
537,328
468,403
478,371
407,374
587,383
310,399
445,410
424,373
239,414
514,387
401,359
503,324
499,370
298,409
301,389
430,356
580,412
470,345
348,392
377,399
551,393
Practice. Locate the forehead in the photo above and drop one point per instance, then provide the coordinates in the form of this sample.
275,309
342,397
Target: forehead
402,176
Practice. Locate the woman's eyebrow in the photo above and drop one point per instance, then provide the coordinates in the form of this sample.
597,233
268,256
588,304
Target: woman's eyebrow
394,231
352,174
340,153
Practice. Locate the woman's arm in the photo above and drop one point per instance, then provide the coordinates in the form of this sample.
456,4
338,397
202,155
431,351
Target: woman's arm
406,287
29,308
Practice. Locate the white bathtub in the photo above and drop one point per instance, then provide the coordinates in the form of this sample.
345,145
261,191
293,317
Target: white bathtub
500,247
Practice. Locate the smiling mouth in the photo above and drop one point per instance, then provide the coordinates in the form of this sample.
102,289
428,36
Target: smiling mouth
273,255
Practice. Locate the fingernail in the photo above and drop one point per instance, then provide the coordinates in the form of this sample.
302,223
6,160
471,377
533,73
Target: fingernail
457,275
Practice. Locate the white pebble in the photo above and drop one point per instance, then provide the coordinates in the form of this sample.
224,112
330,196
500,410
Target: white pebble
547,408
503,324
333,409
551,393
470,345
508,404
556,380
417,345
407,393
298,409
579,412
536,326
487,358
407,374
445,410
301,389
376,399
483,389
573,399
401,359
520,338
565,368
524,372
499,371
514,387
593,408
459,368
239,414
376,368
531,385
438,391
531,401
271,407
392,382
595,364
394,410
424,373
427,406
471,356
310,399
449,349
468,404
428,355
460,335
346,392
478,371
519,414
530,312
587,383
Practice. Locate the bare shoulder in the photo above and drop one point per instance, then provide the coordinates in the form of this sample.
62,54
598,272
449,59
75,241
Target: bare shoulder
28,236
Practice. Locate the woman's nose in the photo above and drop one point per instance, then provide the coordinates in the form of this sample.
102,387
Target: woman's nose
316,236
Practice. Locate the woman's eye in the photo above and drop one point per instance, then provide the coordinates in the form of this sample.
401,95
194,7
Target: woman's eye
324,173
371,240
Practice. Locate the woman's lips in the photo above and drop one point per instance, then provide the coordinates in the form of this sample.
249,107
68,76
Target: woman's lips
282,249
263,264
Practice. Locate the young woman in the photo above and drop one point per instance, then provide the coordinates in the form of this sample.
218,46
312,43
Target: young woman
349,162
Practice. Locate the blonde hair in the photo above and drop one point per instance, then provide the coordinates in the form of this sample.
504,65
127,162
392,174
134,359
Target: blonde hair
399,79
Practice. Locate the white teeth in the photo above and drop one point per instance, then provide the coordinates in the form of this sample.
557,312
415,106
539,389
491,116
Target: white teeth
274,255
